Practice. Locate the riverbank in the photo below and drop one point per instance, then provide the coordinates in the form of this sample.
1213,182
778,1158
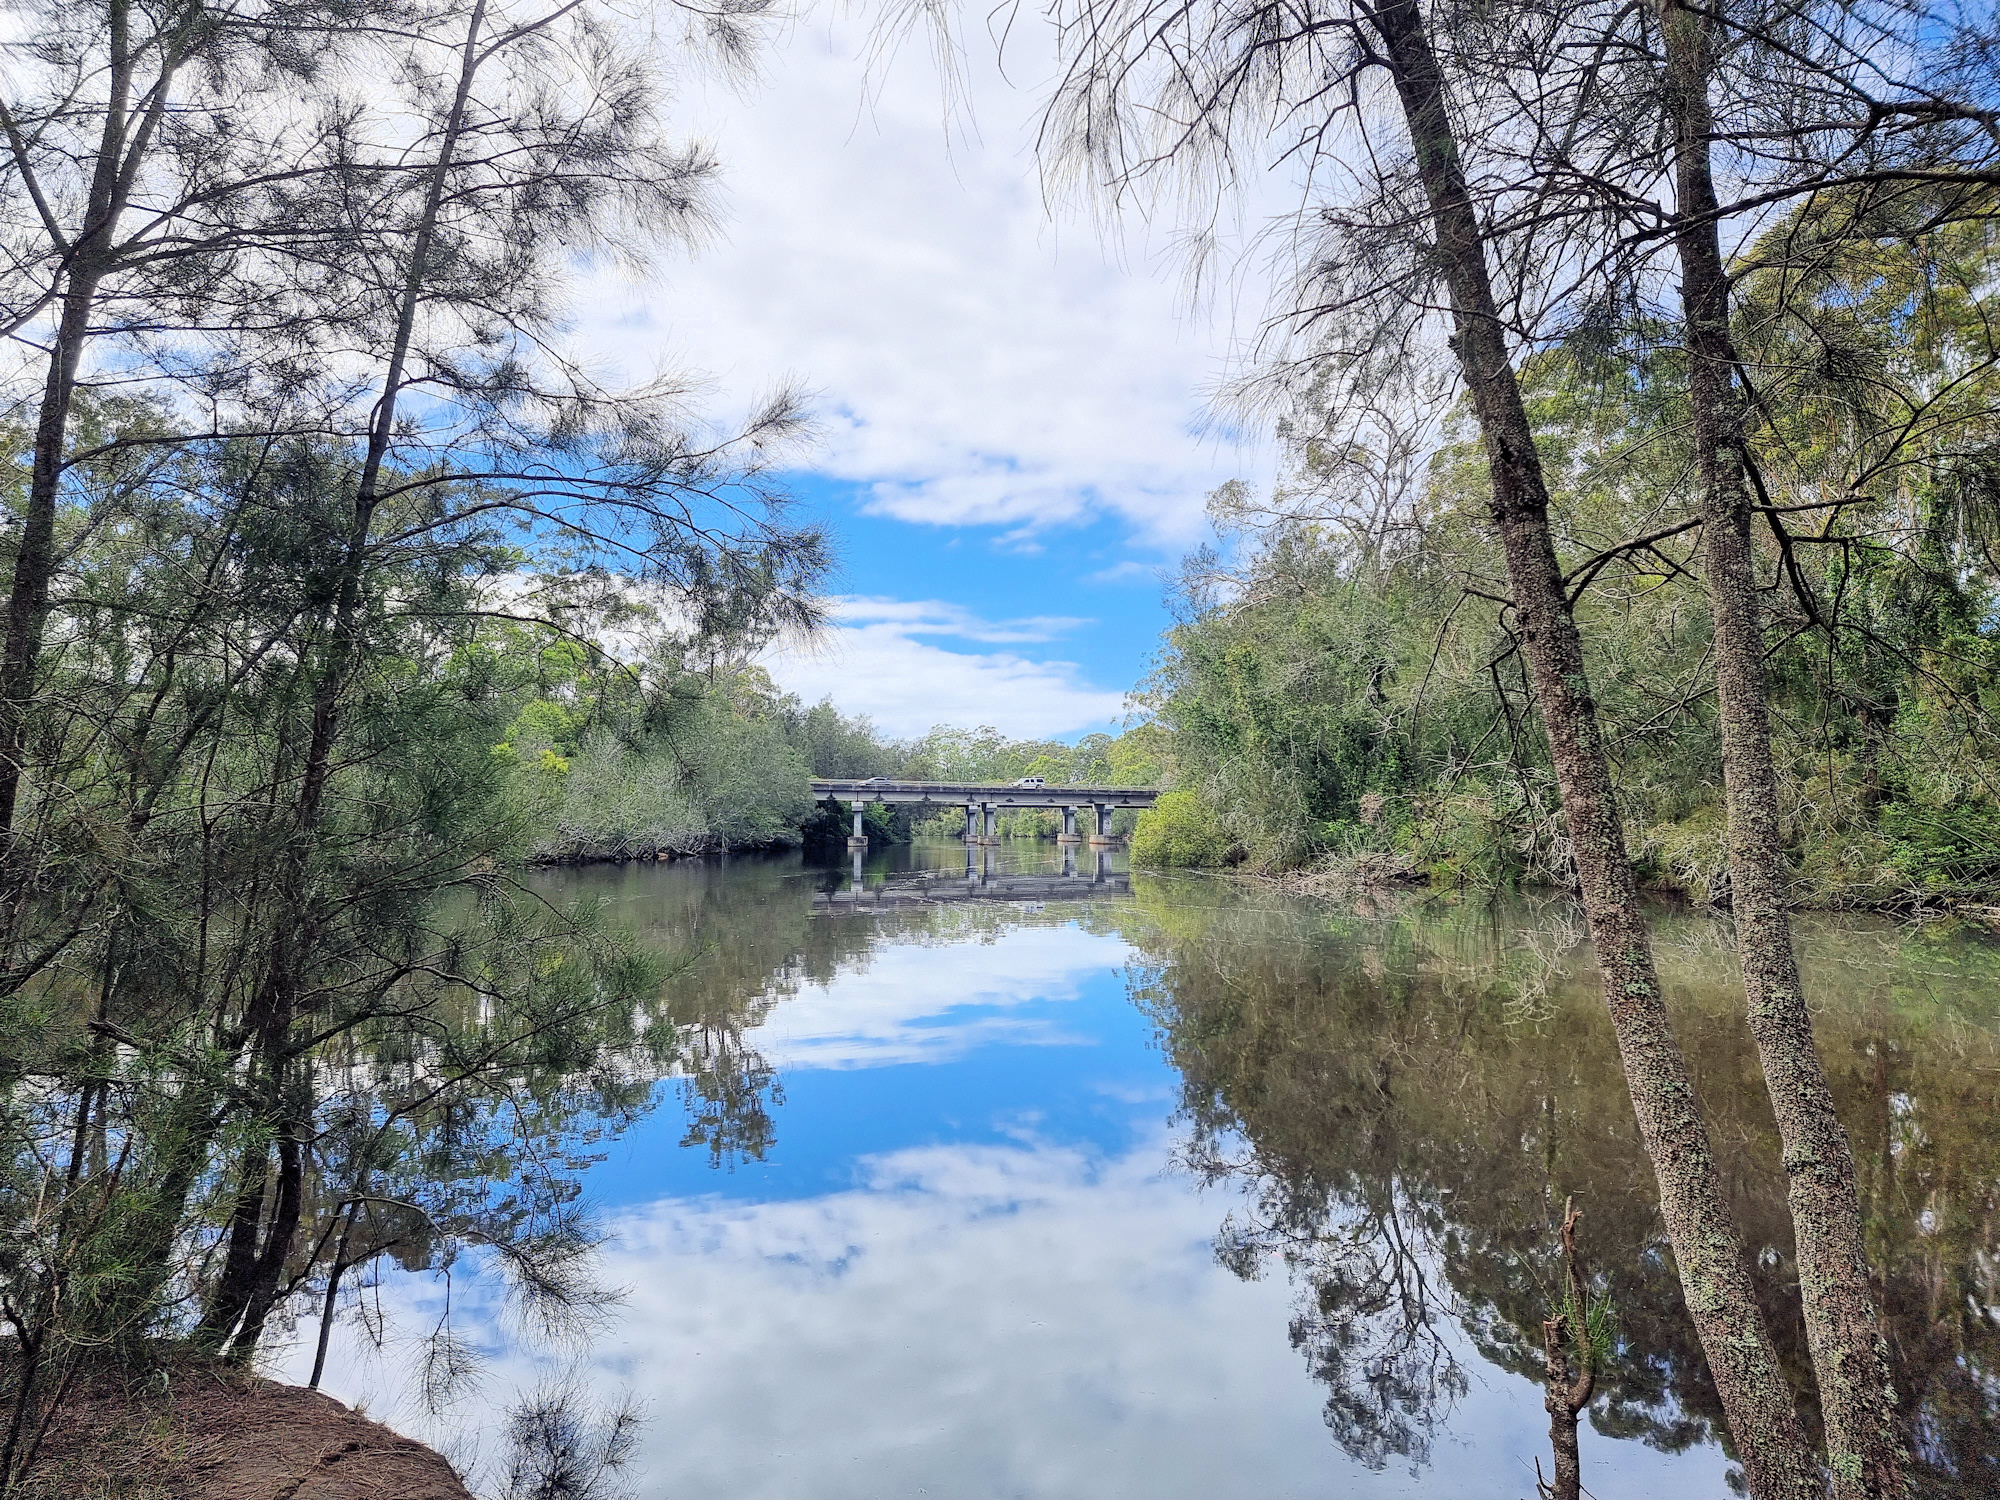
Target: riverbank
204,1430
826,829
649,854
1342,877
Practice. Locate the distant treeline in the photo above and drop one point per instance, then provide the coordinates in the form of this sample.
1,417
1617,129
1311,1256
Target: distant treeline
612,762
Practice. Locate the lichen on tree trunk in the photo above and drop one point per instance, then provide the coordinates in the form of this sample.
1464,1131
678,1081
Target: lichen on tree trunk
1777,1459
1849,1357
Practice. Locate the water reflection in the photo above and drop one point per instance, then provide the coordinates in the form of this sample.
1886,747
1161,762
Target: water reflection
987,876
950,1253
1410,1098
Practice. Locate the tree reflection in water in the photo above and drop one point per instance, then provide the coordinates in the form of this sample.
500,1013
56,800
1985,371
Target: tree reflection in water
1411,1090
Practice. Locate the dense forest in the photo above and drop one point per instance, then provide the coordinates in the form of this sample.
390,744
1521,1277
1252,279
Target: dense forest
1346,687
1637,368
605,761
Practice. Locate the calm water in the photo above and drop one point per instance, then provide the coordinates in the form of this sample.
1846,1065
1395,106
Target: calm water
1047,1182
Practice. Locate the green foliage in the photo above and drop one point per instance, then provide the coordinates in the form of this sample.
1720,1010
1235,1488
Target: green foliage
1942,848
1346,682
1180,830
373,594
668,761
835,745
986,755
1599,1322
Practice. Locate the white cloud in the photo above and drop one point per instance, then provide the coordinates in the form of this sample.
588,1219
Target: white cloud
976,362
981,1321
1129,571
893,1009
938,617
870,661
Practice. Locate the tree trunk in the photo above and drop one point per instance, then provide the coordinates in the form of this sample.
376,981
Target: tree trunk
1567,1480
1568,1392
1777,1460
35,555
269,1277
331,1300
232,1292
85,260
1849,1356
293,942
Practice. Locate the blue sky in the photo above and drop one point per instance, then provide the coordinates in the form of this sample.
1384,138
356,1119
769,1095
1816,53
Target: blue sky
1059,632
1011,397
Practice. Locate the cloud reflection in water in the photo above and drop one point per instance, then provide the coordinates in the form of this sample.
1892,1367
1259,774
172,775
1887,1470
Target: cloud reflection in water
1034,1317
930,1003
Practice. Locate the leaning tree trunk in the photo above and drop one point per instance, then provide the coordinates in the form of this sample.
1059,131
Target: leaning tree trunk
231,1293
1777,1459
1849,1356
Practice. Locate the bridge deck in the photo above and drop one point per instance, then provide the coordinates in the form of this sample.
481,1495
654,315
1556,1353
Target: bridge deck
961,794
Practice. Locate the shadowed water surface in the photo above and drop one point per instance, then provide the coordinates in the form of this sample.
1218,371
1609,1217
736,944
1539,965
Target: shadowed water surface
1020,1176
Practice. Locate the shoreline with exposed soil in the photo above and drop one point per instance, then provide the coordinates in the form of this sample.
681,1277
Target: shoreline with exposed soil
192,1429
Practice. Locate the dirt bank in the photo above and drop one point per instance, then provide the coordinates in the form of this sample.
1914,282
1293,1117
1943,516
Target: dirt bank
206,1432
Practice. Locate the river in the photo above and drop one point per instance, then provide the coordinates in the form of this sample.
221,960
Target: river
1023,1176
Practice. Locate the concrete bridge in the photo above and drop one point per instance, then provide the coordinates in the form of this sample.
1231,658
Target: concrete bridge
988,801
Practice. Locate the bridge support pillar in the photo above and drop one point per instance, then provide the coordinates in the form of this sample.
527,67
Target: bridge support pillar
859,840
992,835
971,823
1069,834
1101,838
